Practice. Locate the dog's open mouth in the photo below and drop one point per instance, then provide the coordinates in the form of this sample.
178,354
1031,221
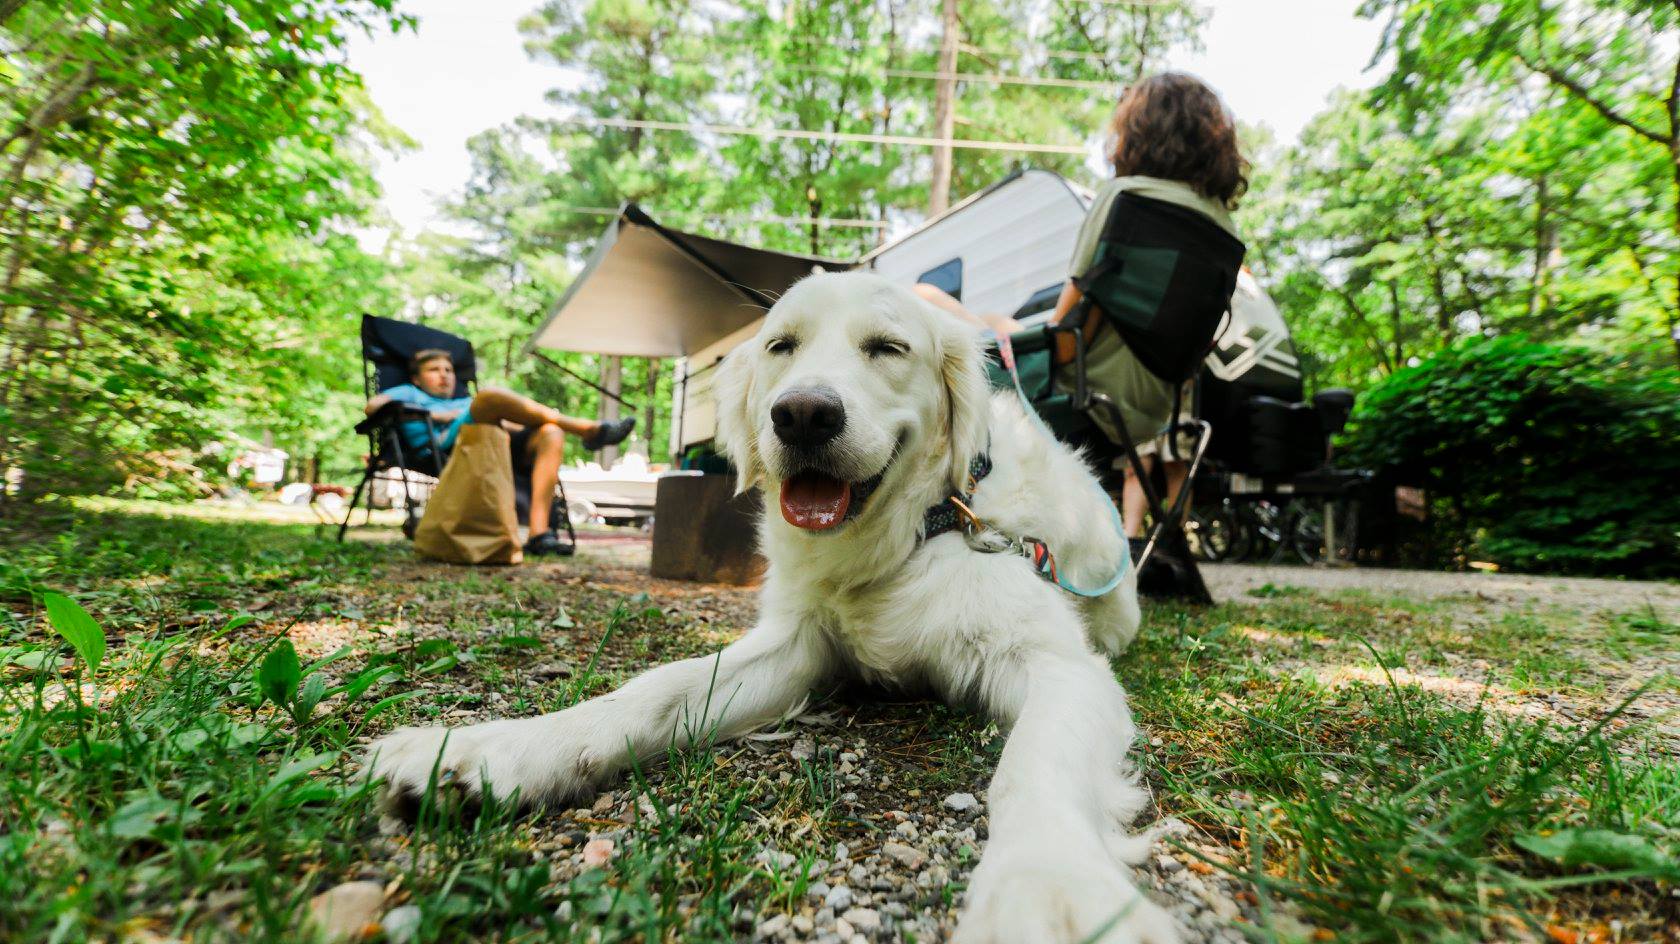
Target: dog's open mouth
816,501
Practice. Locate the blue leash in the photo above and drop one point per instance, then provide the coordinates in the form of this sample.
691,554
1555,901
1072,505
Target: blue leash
1032,548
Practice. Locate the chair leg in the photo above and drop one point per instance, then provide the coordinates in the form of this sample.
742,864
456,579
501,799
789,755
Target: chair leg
1187,578
354,498
562,512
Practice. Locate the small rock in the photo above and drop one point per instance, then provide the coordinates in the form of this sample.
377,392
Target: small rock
838,899
773,926
843,928
345,912
961,802
841,853
907,830
803,749
863,919
803,925
597,852
400,924
907,856
603,804
818,890
1168,864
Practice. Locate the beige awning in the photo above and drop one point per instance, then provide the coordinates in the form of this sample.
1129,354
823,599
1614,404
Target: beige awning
650,291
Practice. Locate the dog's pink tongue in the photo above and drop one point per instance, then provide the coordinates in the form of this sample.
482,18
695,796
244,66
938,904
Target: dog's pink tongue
814,501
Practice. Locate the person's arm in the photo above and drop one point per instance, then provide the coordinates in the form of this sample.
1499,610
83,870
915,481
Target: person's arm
1064,304
379,400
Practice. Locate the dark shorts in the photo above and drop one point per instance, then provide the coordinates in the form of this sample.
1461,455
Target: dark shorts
520,445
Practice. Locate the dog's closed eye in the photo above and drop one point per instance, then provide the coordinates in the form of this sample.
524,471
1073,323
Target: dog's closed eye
883,346
783,344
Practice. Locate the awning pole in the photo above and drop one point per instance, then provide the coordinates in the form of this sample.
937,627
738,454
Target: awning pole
571,373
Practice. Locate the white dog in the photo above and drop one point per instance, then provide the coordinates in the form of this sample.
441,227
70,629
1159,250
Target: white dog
856,408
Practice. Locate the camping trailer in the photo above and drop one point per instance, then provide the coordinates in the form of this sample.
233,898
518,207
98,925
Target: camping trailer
649,290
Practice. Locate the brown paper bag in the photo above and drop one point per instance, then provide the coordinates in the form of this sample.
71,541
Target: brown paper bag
471,518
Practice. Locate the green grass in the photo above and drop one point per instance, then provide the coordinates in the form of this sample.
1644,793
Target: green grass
1384,812
199,784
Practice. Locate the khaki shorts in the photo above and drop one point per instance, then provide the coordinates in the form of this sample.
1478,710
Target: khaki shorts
1145,400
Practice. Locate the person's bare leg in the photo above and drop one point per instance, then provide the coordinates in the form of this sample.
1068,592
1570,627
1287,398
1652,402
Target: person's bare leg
1133,502
1176,473
493,405
548,445
939,298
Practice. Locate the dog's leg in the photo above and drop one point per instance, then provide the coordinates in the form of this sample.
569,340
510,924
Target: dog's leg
555,757
1054,866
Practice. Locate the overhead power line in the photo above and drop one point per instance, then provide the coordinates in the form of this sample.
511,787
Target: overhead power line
737,217
799,134
996,79
990,78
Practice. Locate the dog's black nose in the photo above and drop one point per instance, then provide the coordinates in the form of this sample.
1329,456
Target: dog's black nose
808,417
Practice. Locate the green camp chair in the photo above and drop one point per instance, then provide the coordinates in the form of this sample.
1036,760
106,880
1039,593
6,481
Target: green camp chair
1162,278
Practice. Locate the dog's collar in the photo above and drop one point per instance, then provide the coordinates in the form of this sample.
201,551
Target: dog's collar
952,514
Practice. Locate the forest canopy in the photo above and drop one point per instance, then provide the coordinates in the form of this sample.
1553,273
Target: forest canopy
181,188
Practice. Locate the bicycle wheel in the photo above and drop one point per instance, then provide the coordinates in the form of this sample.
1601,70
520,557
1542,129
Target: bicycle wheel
1306,532
1212,534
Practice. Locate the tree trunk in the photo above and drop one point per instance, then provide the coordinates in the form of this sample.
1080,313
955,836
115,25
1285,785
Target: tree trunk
650,404
813,206
1674,154
944,112
611,377
1545,240
1399,345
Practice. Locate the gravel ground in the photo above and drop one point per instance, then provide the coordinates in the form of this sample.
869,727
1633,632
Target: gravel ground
1584,594
891,877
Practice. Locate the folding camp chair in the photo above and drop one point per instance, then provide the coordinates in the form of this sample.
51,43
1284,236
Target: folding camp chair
1162,278
387,346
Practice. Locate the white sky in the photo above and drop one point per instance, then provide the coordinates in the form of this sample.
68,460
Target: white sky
464,71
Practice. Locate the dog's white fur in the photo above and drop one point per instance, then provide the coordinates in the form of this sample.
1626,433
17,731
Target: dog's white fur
869,599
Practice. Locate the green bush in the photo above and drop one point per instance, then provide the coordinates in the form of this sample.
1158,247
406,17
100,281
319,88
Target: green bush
1536,457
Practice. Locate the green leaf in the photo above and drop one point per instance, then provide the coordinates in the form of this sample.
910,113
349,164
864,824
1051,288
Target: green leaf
1604,848
383,704
363,681
76,626
296,768
138,817
279,674
314,688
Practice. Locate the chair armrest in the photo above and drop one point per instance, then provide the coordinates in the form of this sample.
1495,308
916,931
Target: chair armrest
390,414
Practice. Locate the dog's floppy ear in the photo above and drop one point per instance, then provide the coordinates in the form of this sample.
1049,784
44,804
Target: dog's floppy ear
966,394
735,437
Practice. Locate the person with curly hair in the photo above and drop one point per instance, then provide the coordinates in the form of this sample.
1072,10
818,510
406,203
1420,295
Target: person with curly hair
1174,141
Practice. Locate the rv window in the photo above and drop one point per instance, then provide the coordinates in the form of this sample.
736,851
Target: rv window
946,277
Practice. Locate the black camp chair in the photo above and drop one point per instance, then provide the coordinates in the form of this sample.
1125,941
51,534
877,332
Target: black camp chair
1163,278
387,346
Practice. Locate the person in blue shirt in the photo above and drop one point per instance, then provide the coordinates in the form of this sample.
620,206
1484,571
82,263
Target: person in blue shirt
538,432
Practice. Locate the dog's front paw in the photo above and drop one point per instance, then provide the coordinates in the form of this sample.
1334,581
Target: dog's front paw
507,759
1059,901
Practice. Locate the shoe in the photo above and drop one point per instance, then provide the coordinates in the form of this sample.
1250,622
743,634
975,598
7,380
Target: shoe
548,542
609,433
